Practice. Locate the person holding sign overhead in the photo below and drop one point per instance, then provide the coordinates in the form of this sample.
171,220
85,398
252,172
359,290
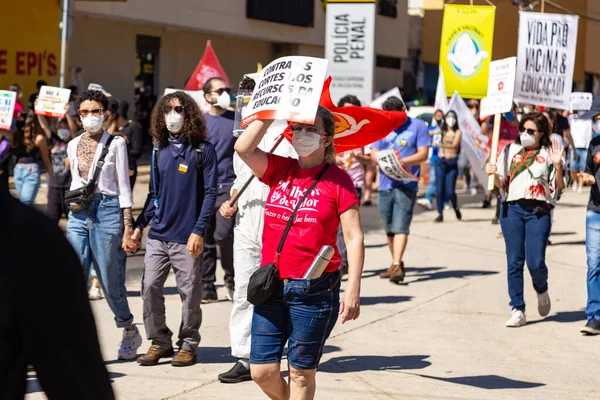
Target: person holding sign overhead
446,169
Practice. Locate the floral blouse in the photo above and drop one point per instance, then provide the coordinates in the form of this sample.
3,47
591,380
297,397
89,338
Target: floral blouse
530,174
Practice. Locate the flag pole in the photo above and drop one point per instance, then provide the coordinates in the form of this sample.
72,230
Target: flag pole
543,5
494,154
63,42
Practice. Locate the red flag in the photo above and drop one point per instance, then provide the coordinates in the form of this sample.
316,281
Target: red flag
356,127
208,67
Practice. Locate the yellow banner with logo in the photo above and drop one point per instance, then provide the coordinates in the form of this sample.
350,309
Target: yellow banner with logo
466,49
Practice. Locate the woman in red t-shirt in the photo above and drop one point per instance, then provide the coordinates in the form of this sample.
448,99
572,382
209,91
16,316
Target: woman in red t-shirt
302,311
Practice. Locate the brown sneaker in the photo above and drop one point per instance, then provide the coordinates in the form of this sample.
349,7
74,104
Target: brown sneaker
184,358
387,274
397,275
154,354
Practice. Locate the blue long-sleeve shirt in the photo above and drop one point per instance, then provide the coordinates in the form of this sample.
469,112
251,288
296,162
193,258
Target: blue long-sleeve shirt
184,207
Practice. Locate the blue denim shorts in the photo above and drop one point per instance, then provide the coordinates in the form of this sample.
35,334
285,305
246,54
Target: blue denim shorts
396,207
578,165
303,313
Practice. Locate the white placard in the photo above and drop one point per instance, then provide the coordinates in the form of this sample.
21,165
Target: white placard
197,95
547,45
52,100
289,88
501,88
581,101
391,165
95,86
441,101
350,49
378,102
8,99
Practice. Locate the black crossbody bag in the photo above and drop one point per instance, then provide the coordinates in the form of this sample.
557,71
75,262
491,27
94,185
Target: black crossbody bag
80,199
263,281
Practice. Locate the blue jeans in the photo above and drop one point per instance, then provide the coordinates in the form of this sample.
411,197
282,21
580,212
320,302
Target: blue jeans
431,188
526,232
445,181
96,235
303,312
27,181
592,247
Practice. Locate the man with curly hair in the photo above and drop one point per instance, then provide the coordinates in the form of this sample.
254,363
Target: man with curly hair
183,187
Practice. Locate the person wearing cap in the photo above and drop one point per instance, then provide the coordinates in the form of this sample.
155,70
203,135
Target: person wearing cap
581,131
591,176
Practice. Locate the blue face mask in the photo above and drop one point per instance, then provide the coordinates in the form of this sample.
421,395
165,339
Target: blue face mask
509,116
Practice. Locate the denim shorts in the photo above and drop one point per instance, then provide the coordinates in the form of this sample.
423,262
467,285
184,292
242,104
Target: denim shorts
396,207
303,313
578,165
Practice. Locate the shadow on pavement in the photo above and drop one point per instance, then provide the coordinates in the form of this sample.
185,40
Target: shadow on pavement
562,233
214,355
573,243
489,382
373,363
371,301
446,274
563,317
34,386
375,246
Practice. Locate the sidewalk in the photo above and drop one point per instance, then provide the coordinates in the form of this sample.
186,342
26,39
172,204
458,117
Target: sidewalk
440,335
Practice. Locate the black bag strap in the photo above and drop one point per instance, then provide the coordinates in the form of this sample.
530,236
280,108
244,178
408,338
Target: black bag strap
100,163
293,216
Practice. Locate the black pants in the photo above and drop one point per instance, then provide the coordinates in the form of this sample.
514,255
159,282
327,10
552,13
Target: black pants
219,232
56,203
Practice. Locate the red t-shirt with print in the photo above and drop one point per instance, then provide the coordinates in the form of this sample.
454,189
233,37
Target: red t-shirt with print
317,220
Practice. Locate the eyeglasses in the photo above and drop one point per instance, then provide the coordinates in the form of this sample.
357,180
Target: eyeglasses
95,112
310,129
530,131
221,91
178,109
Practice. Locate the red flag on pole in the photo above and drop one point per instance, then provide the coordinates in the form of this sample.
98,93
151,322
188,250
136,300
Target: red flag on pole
208,67
356,127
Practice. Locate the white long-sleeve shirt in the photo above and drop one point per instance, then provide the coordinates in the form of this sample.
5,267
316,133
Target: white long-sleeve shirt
114,177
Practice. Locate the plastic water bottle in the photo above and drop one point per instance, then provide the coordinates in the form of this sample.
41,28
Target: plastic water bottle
320,263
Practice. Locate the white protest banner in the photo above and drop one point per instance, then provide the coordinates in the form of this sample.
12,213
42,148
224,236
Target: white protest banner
378,102
51,101
350,48
391,165
8,99
441,101
547,44
197,95
501,88
289,88
473,142
581,101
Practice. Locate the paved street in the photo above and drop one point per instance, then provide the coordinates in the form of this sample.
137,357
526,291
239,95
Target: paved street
440,335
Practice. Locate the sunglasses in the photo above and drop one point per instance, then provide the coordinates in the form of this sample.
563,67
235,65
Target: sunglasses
95,112
221,91
295,128
529,131
178,109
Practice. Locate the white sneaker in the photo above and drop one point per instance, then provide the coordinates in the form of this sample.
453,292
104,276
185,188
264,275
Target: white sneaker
425,203
544,303
473,192
517,319
95,293
580,190
447,206
574,187
129,344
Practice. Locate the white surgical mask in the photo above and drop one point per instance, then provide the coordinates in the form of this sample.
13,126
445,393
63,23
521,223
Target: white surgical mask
526,110
527,140
450,121
223,100
92,123
174,122
519,117
306,143
596,125
64,134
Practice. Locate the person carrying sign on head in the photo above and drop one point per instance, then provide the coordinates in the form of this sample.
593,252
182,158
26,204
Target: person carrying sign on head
531,173
302,311
397,198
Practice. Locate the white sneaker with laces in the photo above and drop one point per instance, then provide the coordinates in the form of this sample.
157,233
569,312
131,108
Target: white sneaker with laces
447,206
544,304
473,192
517,319
129,344
95,293
425,203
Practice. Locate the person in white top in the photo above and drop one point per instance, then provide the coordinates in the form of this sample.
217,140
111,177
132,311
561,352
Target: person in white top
581,131
531,175
96,233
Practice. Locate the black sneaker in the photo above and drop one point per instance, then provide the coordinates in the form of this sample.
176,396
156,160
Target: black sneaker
458,214
239,373
592,327
486,204
440,218
209,294
495,221
230,290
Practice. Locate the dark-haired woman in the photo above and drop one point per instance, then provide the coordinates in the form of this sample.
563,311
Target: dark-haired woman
183,189
531,174
96,233
446,169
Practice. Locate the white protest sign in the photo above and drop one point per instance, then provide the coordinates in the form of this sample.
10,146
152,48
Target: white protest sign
95,86
52,100
8,99
501,87
473,143
197,95
581,101
350,49
441,101
547,44
289,88
391,165
378,102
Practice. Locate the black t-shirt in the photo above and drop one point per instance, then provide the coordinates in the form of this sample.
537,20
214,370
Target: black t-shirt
134,136
592,167
61,175
562,124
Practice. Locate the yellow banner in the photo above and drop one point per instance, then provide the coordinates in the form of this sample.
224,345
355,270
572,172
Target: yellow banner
466,49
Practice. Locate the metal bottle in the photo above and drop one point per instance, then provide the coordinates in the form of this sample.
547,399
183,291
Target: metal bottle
320,263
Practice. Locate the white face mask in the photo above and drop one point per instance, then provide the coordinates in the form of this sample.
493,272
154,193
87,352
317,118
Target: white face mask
64,134
596,125
450,121
527,140
306,143
223,101
174,122
519,117
526,110
92,123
